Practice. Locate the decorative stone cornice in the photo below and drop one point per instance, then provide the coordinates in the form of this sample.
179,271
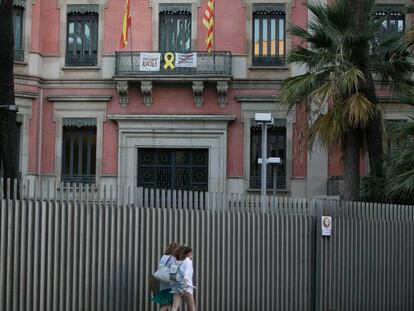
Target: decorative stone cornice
222,88
175,118
122,88
198,87
146,89
256,98
79,98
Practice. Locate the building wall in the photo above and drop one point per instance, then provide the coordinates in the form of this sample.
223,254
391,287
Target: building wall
50,91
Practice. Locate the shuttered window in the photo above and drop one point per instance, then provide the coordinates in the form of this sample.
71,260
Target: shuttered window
269,46
82,39
79,153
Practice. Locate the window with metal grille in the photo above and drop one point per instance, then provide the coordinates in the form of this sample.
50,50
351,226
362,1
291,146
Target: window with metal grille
18,135
175,30
393,20
276,147
79,154
18,13
269,46
393,141
179,169
82,39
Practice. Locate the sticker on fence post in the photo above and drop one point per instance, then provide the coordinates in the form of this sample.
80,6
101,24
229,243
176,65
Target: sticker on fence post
326,225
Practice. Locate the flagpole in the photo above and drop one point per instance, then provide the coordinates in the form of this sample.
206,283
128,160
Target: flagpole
130,46
214,34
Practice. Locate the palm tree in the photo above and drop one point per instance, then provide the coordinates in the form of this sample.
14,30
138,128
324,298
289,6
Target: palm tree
399,181
361,14
330,88
8,127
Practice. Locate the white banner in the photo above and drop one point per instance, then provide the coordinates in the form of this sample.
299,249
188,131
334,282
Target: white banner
185,59
149,61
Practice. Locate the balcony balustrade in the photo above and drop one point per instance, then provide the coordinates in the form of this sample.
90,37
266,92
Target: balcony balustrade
202,67
214,64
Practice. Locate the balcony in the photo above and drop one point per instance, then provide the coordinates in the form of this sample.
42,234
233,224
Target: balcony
214,67
214,64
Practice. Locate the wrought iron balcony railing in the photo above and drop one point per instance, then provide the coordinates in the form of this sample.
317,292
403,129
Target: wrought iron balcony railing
208,64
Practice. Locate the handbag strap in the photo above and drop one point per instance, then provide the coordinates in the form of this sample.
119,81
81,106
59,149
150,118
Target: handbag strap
168,260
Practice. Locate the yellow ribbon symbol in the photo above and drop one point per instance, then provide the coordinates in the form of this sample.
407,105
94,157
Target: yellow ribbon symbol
169,59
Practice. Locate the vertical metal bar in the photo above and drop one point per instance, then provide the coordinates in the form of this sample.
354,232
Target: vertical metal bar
318,249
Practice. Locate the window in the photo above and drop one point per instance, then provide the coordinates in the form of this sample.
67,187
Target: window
269,46
18,33
18,135
82,37
79,150
180,169
393,142
393,20
276,147
175,28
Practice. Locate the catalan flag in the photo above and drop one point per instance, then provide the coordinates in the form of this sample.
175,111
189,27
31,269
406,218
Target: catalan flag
126,24
208,21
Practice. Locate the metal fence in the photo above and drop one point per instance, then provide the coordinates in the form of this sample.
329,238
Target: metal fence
217,63
92,250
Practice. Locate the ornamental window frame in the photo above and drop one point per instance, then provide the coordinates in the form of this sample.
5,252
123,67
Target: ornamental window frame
267,20
276,147
18,28
80,16
79,136
174,15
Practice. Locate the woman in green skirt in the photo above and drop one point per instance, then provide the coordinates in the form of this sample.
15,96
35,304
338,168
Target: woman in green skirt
164,297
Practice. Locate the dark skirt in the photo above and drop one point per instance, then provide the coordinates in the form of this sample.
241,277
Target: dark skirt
163,297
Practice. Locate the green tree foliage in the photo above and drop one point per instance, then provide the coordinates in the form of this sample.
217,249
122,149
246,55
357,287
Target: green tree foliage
338,111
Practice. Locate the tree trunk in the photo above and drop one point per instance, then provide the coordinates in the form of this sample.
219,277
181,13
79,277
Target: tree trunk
351,147
373,131
8,127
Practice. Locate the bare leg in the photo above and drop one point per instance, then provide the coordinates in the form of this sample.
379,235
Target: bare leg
189,301
176,302
164,307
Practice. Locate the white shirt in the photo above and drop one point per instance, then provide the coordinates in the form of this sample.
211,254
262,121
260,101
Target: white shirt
166,260
186,270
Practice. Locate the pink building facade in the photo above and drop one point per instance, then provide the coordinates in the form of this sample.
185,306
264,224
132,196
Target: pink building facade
163,112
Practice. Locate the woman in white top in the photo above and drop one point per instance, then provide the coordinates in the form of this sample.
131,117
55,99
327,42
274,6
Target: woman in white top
164,297
183,287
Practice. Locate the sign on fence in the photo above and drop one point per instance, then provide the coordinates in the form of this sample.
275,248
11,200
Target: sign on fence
326,225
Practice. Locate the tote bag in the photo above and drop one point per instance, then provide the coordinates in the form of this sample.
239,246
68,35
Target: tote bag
163,272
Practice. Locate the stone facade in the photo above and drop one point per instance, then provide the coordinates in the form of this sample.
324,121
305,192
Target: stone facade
209,108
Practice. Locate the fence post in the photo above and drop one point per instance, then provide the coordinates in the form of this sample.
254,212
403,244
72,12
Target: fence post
317,207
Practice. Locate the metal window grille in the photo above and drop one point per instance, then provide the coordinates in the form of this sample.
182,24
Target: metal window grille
276,146
269,43
393,21
175,31
82,39
18,135
18,18
79,154
393,142
179,169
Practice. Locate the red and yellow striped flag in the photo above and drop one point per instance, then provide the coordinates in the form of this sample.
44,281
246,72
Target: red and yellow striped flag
208,21
126,24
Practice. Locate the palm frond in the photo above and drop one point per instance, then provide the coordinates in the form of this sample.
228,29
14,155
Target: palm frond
300,32
296,89
321,95
358,110
338,14
330,127
350,79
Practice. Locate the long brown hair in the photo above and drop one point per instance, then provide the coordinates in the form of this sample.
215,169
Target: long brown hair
182,252
171,248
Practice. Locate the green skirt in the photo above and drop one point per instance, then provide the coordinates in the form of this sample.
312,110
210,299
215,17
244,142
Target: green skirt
163,297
